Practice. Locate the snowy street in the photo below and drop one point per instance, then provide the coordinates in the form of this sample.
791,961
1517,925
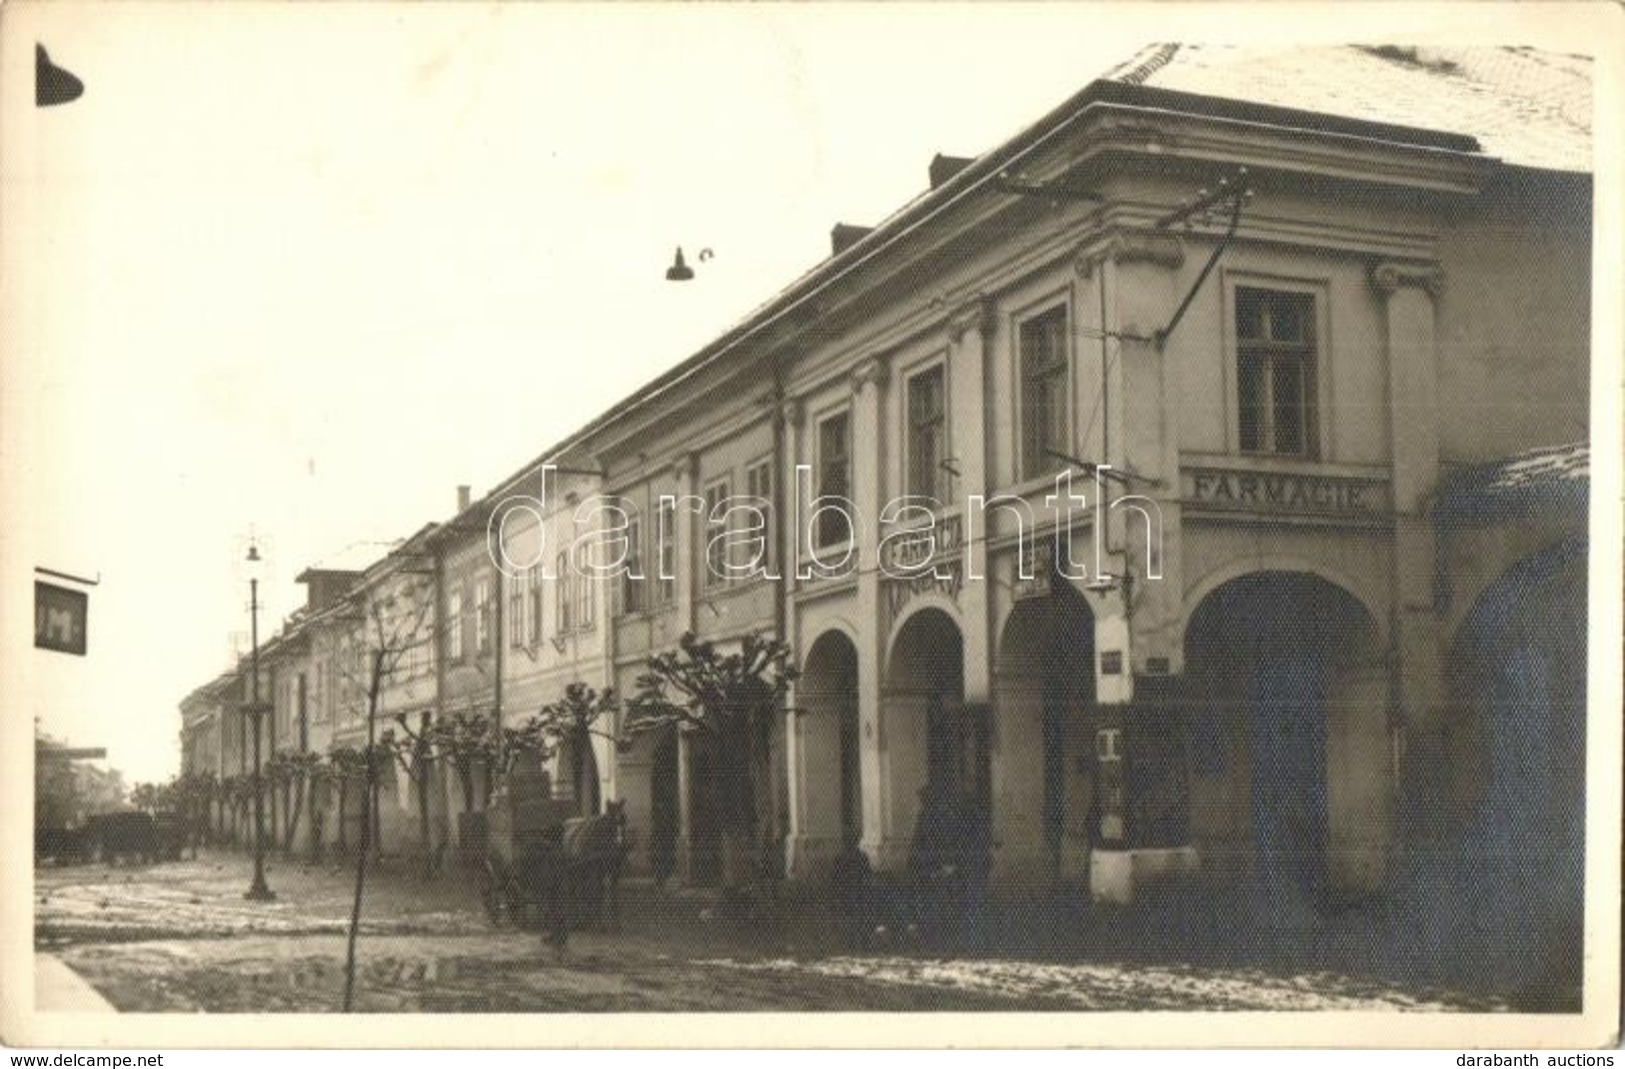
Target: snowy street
180,937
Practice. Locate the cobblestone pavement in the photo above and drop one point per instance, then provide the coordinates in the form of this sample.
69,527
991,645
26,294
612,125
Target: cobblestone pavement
180,937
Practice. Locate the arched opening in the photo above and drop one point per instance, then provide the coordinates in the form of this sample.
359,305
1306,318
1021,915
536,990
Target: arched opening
1518,669
1043,693
937,748
1286,701
831,793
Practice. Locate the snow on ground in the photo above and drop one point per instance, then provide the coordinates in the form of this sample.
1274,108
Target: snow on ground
180,938
1120,987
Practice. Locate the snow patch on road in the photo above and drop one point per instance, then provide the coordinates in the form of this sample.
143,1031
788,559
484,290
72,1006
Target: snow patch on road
1121,987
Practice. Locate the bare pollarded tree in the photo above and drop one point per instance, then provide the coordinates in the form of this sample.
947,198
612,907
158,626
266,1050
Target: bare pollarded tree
395,628
570,724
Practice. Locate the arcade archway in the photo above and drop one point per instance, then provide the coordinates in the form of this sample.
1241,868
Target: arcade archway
936,747
1286,703
1043,692
829,795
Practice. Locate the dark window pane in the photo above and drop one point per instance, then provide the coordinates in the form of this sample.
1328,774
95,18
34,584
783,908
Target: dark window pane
833,479
1289,317
1250,391
1043,386
1249,313
1289,402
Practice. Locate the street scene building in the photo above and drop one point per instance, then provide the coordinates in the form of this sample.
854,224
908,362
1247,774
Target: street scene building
1187,495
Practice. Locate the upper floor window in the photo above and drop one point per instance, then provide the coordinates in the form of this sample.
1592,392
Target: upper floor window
482,616
533,635
759,487
716,542
632,577
586,600
834,478
454,626
518,611
1045,412
666,533
1275,371
566,595
927,433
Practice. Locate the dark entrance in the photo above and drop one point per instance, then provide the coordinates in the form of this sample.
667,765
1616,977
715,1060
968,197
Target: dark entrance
1044,694
1263,653
664,808
1520,668
828,694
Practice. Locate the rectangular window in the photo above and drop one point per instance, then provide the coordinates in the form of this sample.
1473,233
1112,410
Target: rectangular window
759,485
716,571
533,636
517,605
834,478
454,626
666,532
632,573
586,601
482,616
927,433
1045,412
566,615
1275,371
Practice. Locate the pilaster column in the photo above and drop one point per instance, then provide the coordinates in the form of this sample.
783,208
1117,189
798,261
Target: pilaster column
883,840
1145,273
970,334
789,530
684,469
1140,801
1409,292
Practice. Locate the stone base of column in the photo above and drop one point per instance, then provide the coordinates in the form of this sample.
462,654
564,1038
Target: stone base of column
1117,876
808,857
889,854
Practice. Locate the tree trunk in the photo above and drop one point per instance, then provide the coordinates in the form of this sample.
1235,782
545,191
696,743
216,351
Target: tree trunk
369,796
344,815
318,817
465,774
422,773
297,809
586,773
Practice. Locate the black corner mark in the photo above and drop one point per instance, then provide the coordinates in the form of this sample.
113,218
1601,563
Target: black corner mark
52,84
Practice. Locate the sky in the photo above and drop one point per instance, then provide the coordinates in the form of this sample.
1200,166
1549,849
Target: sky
299,271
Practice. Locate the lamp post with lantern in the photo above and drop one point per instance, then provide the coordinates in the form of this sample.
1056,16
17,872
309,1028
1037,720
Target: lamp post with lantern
259,890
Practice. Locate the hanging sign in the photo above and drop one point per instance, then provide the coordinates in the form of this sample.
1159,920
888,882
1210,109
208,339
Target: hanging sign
60,618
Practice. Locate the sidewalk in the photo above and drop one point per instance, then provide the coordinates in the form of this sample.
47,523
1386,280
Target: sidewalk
59,989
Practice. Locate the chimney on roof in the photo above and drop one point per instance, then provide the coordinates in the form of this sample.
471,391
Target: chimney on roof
845,235
465,497
945,167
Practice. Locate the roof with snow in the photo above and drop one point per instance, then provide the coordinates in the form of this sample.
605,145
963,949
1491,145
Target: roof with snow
1557,476
1524,106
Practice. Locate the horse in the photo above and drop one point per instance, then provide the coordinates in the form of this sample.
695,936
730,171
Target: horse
592,850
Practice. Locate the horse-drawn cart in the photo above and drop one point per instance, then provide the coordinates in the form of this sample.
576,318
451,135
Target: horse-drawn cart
544,869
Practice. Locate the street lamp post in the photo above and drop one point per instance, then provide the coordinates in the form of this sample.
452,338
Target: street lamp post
259,890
